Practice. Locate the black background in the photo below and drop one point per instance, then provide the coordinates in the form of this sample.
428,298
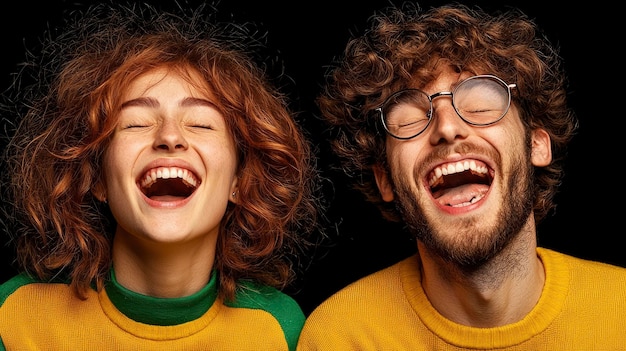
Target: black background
308,34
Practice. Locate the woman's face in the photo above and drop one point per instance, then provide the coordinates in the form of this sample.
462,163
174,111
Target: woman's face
170,168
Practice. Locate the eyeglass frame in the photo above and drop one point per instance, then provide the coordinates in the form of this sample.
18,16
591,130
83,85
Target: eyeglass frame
432,97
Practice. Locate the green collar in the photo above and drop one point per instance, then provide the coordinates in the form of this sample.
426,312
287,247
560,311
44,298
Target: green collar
161,311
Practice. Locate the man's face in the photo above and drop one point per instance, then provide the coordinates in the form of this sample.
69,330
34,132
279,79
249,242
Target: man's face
465,191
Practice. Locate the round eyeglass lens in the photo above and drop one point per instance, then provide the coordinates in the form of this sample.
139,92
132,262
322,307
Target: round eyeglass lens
481,100
406,113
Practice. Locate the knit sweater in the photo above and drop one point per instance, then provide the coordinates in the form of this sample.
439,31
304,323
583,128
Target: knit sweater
582,307
38,315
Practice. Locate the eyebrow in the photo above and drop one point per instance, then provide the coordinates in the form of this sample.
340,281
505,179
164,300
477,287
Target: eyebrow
154,103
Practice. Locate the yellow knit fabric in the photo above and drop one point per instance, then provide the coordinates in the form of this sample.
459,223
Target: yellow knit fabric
582,307
47,316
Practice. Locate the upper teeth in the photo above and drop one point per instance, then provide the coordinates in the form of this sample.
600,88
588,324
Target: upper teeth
166,173
455,167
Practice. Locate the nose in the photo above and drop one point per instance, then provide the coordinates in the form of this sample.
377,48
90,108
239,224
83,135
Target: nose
446,125
170,136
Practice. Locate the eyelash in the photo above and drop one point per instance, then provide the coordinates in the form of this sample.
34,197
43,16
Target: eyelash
130,126
202,126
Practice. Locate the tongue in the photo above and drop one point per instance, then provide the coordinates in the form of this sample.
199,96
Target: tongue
460,194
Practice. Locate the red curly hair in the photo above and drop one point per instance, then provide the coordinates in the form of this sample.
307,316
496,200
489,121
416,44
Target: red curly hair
70,112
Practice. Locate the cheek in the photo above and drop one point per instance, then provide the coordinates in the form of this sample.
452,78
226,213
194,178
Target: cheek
506,136
510,140
510,131
404,161
220,162
219,152
118,159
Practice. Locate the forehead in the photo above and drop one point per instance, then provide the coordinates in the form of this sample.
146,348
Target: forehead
144,82
444,76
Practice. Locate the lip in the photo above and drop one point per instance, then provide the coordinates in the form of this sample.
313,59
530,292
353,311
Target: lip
167,162
456,158
166,204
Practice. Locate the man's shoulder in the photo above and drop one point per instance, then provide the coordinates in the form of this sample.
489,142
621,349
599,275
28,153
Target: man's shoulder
579,263
584,276
379,285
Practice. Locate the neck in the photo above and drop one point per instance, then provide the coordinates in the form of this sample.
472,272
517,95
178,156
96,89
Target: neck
501,291
163,269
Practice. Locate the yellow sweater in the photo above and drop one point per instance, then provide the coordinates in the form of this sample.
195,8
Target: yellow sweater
582,307
47,316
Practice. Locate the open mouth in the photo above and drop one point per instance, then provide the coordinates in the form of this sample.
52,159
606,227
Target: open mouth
460,183
168,183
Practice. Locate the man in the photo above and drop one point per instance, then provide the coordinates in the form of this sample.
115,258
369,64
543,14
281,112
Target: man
456,123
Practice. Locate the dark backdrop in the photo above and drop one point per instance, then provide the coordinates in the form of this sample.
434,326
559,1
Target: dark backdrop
308,34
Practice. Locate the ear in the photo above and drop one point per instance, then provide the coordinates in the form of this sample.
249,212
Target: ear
234,191
541,154
383,183
99,191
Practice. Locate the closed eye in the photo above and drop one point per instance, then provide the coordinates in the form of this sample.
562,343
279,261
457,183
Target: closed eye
200,126
131,126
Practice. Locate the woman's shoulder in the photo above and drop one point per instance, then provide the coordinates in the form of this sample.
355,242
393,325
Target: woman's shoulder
15,283
281,306
258,296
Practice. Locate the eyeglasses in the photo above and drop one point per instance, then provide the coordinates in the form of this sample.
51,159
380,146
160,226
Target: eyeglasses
479,100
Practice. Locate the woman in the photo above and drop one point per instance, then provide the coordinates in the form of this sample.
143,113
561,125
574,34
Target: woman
162,190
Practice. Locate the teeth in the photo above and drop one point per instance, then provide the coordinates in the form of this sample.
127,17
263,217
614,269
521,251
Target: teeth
473,200
455,167
167,173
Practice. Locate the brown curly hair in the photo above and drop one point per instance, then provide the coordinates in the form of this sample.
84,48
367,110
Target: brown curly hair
67,116
400,46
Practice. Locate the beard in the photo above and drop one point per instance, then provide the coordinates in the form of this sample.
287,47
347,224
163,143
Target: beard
472,244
